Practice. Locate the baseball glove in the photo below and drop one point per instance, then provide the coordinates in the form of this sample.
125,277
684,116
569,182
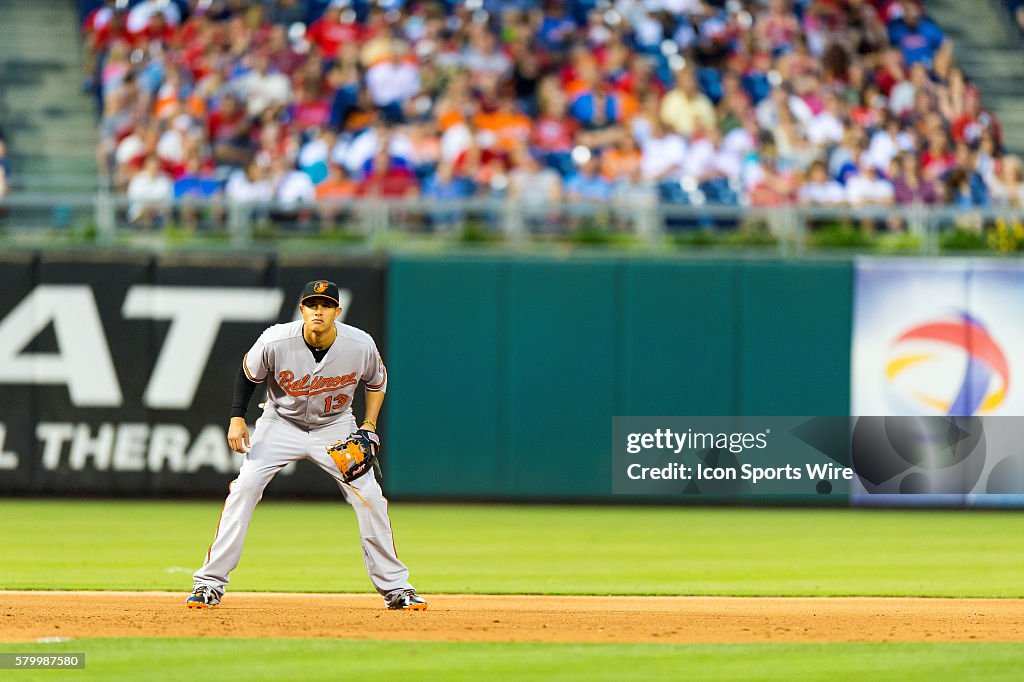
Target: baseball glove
356,454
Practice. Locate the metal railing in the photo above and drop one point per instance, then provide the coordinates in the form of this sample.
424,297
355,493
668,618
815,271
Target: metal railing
107,219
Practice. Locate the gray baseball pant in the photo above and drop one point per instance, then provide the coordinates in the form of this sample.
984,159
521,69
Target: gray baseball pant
276,442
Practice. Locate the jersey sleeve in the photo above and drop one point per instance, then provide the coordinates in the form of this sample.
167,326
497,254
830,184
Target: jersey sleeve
255,363
376,375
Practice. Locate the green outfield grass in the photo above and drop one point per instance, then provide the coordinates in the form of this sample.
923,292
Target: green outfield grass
282,659
314,547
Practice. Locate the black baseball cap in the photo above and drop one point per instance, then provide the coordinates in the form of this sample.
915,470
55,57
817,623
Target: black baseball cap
320,288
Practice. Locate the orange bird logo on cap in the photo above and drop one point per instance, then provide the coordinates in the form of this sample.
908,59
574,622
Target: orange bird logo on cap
320,287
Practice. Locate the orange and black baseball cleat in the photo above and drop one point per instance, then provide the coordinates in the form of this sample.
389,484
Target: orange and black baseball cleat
405,600
202,597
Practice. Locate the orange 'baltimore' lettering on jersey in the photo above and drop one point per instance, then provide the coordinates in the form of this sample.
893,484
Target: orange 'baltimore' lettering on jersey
308,385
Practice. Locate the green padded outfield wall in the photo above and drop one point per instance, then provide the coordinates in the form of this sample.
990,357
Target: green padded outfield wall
492,358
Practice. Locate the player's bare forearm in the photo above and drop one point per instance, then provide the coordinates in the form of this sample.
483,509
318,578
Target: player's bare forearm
374,400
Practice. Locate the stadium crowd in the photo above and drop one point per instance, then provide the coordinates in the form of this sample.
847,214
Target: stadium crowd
741,102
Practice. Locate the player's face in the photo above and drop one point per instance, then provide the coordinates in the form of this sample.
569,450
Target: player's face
318,314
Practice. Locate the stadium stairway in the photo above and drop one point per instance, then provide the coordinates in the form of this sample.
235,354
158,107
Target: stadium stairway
991,53
50,125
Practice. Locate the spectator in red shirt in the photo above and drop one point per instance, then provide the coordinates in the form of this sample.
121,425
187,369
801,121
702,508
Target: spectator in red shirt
553,131
969,126
228,129
157,29
938,157
280,53
388,180
311,108
891,71
104,34
336,27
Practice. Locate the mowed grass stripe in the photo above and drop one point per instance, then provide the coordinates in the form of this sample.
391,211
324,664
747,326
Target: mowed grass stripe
314,547
292,659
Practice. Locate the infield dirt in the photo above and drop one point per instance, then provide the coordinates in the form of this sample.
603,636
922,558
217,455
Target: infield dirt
28,616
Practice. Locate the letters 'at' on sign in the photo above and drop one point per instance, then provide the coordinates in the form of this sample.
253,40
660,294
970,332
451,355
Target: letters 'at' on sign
83,361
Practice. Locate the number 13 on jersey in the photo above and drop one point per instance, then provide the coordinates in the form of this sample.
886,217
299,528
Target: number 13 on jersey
335,402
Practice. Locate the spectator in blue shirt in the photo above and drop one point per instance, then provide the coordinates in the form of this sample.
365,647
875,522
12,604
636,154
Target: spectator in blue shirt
587,184
443,185
556,27
964,184
195,184
598,108
917,36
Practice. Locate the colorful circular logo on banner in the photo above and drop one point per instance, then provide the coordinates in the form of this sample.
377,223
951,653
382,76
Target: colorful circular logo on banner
949,366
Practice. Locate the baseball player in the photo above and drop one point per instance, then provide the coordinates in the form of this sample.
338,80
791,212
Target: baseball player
312,368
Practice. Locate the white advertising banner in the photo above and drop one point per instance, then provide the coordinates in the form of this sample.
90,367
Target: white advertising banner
938,337
944,338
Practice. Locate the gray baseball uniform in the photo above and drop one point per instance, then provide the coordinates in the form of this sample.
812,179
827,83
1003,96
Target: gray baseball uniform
309,406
